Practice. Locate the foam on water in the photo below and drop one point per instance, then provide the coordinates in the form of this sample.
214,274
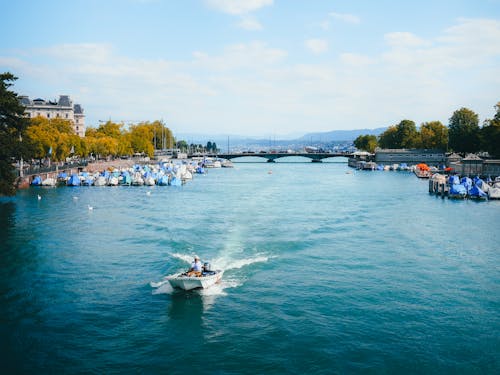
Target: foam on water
231,264
188,258
164,287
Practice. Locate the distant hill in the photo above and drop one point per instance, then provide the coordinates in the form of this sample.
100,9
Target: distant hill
340,135
256,142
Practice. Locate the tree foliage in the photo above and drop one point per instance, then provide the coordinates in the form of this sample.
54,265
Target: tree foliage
388,139
433,135
53,137
406,134
12,126
366,142
490,134
211,147
464,131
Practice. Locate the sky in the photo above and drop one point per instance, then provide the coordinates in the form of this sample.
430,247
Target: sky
277,68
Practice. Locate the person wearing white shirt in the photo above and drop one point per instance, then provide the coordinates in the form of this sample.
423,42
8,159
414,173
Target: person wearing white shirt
196,267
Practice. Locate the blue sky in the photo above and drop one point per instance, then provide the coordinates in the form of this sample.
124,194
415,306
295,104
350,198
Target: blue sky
257,67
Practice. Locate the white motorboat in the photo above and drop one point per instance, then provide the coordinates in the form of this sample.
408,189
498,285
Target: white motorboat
183,281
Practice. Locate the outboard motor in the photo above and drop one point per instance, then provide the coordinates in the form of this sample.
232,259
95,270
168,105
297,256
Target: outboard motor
207,267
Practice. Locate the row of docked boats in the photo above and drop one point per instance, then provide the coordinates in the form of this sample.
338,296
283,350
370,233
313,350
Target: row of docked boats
163,174
461,188
421,170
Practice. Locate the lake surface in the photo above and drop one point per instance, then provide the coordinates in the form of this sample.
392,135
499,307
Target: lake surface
325,272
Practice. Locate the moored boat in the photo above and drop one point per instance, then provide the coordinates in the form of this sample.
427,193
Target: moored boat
422,170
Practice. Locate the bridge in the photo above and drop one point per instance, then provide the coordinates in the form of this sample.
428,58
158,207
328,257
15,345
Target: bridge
272,156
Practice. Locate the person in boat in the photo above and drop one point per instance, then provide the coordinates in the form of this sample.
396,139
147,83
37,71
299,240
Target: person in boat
196,267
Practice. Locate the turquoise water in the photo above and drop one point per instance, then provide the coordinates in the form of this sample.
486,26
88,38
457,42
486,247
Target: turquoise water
325,272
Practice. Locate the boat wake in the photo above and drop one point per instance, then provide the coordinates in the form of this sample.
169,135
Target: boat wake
227,282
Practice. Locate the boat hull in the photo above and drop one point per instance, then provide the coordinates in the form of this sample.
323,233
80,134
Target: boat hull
181,281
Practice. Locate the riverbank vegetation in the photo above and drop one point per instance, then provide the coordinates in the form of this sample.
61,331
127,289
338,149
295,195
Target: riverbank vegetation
12,126
463,134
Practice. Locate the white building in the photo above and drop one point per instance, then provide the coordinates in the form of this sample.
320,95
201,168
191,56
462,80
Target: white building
63,108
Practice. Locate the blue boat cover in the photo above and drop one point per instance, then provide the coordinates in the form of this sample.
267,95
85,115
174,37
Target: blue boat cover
163,180
476,192
467,182
454,180
36,181
458,189
175,181
74,180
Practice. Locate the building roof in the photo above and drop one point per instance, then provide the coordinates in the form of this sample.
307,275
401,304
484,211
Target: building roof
78,109
24,100
472,157
64,101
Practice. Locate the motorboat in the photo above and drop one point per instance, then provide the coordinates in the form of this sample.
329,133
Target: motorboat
206,280
422,170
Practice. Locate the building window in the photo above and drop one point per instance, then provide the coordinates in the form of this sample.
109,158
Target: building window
48,114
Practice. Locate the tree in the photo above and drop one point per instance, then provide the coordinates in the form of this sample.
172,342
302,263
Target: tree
12,126
53,134
366,143
406,135
182,145
141,138
388,139
490,134
110,129
464,131
433,135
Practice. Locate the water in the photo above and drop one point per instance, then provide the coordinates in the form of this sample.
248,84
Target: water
325,272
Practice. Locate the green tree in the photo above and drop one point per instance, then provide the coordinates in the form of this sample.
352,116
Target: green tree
182,145
12,126
366,143
490,134
464,131
407,135
388,139
433,135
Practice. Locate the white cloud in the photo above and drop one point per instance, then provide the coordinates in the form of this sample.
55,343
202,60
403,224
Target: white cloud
316,46
256,88
356,60
404,40
241,56
250,23
238,7
348,18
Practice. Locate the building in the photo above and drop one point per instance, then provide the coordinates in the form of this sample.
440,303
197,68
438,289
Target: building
473,165
398,156
63,108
